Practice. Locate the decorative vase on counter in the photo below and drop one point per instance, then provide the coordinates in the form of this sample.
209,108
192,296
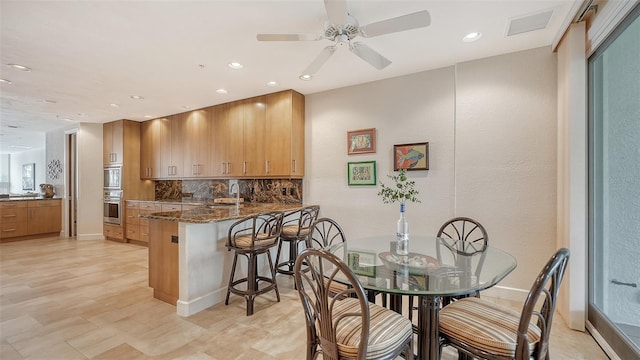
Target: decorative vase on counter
47,190
402,233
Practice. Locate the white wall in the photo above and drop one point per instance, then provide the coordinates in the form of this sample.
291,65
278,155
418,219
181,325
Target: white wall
36,156
90,186
491,128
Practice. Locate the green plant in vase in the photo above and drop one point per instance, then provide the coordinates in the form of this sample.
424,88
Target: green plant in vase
402,190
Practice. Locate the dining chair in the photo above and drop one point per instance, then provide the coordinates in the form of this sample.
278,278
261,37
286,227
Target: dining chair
345,325
325,232
250,237
482,329
295,228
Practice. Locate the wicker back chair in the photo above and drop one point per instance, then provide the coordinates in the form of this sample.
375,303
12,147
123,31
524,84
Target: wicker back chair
250,237
488,331
345,325
295,228
325,232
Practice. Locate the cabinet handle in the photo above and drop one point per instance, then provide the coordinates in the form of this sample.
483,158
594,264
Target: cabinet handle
9,230
222,168
194,170
8,216
267,167
228,168
294,165
244,167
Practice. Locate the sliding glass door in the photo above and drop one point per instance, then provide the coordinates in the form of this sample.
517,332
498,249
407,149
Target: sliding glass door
614,189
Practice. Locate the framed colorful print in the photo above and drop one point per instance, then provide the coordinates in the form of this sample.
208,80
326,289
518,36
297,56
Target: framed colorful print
361,173
361,141
411,156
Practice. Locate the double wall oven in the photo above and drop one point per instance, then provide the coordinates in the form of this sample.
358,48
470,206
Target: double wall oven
113,195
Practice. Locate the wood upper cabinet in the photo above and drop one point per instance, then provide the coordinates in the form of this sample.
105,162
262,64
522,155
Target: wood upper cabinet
196,130
284,134
112,142
227,122
254,114
152,140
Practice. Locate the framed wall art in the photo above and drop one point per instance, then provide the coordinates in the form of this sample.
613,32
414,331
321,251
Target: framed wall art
411,156
361,173
28,176
361,141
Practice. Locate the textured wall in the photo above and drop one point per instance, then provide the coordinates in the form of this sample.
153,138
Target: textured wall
491,128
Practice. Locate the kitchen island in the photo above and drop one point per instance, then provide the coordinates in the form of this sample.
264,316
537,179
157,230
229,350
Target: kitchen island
189,265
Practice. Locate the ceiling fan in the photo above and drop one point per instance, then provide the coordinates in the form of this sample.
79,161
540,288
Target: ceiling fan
342,28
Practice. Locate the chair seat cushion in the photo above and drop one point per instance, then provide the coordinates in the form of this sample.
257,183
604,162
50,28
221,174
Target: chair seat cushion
387,330
484,325
246,241
291,231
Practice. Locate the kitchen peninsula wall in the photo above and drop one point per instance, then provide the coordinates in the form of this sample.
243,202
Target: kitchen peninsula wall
251,190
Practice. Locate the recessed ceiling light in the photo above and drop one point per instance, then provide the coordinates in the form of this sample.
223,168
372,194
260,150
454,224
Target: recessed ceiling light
6,81
186,107
221,91
305,77
49,101
148,116
473,36
67,119
235,65
136,97
20,147
20,67
114,105
12,126
272,83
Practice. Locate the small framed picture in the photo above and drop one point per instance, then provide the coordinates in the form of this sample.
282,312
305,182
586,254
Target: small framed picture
411,156
361,173
361,141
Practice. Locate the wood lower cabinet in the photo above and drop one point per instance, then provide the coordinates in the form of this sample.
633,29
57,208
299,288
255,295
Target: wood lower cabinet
24,218
163,260
137,229
113,232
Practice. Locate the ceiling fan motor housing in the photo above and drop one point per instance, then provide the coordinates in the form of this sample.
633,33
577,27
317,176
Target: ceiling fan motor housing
348,31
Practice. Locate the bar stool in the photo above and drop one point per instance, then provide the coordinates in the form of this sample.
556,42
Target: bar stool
295,228
250,237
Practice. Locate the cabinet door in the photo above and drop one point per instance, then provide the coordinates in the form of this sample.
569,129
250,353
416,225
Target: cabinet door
228,139
44,217
197,148
254,136
163,260
113,142
174,157
153,138
278,134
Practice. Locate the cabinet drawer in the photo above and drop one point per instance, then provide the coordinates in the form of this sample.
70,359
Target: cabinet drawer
43,203
133,232
113,231
132,204
13,215
171,207
13,204
149,206
13,229
132,216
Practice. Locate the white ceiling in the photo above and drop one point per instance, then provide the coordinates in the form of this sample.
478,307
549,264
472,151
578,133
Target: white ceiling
86,55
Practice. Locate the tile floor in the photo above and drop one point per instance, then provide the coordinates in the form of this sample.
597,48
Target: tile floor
66,299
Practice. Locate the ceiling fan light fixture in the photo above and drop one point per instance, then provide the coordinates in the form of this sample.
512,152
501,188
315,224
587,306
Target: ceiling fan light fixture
305,77
472,36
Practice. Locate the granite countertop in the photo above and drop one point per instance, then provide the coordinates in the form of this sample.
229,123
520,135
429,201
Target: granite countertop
206,214
28,198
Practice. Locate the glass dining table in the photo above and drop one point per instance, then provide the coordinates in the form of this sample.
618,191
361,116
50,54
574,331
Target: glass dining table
435,268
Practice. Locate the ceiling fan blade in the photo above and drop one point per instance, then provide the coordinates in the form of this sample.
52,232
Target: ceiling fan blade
288,37
336,11
369,55
324,55
400,23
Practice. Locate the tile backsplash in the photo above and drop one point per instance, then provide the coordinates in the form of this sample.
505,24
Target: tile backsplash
253,190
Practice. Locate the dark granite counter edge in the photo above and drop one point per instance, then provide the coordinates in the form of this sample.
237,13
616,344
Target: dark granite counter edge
28,198
202,215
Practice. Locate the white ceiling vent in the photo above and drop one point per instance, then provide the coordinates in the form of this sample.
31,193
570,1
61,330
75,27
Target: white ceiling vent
529,23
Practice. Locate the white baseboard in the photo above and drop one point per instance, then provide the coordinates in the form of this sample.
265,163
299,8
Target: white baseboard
506,293
188,308
602,342
90,237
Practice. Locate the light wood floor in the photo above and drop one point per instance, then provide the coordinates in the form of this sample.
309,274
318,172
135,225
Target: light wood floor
67,299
